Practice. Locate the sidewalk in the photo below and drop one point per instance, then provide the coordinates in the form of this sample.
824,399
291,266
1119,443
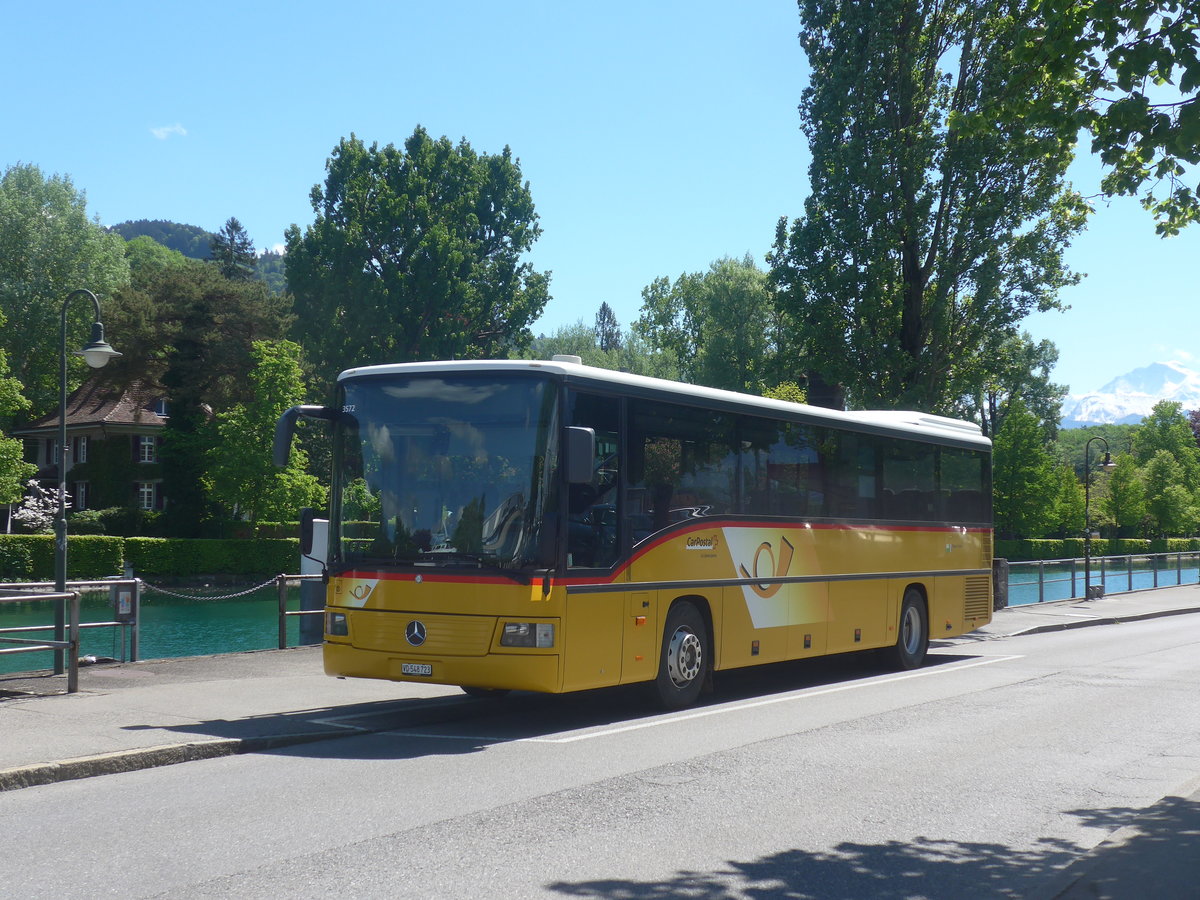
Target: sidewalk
161,712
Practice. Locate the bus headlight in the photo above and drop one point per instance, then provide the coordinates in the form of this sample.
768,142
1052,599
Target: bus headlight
335,624
527,634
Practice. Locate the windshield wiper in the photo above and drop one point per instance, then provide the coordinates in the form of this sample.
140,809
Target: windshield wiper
458,557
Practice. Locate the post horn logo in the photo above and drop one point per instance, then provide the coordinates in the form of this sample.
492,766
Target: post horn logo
777,568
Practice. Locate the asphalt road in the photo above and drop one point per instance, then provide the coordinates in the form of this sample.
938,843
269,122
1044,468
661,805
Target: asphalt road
984,774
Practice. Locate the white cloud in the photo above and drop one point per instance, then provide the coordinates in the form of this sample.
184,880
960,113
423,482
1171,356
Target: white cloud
165,131
279,248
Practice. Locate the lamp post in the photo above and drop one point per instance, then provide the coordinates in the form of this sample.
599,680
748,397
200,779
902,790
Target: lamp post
97,353
1107,463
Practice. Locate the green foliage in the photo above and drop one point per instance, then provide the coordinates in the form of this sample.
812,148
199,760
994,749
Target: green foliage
241,474
787,390
1021,369
151,557
608,329
49,248
1024,479
938,214
30,557
1133,68
1170,503
1125,504
269,269
146,255
16,557
720,325
1067,512
189,240
233,252
1167,428
415,253
634,355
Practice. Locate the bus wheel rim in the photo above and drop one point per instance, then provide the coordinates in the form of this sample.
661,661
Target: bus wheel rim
911,631
683,657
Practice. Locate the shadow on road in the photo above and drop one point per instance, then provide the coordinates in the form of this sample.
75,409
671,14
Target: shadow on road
1159,857
414,727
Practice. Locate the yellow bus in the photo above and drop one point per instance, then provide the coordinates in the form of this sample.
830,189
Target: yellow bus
549,526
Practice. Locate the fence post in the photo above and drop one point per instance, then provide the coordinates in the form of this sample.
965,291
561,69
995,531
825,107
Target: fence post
73,649
1129,571
135,634
1041,580
1073,563
281,586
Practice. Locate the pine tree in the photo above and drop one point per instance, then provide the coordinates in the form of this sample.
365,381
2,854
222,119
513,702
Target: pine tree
233,251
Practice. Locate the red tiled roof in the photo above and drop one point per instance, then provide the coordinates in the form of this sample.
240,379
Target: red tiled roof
98,403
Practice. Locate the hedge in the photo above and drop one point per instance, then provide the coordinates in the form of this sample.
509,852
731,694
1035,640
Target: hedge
1073,548
30,557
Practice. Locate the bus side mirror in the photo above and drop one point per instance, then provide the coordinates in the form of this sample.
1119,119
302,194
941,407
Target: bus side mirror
306,530
285,429
581,453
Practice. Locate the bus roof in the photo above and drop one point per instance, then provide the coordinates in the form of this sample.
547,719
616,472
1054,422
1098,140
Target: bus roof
900,422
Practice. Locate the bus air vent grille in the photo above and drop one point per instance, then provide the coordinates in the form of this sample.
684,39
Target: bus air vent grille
977,600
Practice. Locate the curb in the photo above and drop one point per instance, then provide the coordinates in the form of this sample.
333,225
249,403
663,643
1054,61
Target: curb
148,758
1108,620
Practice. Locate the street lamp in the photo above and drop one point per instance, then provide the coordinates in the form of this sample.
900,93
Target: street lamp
97,353
1106,463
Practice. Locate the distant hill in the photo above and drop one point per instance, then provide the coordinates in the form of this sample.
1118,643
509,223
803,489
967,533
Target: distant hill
194,242
189,240
1129,398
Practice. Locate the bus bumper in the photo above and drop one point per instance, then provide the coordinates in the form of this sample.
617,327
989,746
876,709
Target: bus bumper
501,671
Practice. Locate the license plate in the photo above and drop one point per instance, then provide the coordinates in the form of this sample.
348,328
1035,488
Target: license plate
416,668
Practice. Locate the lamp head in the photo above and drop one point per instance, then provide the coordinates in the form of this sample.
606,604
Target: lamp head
98,351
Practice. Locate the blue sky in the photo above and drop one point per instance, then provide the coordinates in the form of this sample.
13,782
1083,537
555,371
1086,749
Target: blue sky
657,136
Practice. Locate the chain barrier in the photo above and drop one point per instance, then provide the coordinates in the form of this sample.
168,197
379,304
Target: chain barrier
161,590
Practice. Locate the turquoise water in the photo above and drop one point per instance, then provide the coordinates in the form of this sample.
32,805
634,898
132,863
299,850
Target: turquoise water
1057,582
173,626
170,626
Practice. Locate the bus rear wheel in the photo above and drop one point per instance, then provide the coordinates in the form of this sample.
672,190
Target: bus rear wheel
683,662
912,638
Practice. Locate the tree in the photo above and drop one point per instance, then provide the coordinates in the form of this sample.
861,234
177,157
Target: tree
633,355
1134,67
233,251
608,329
1171,505
14,471
241,474
49,248
1021,369
415,254
719,324
1069,508
206,324
1125,504
1025,484
1167,428
938,216
190,240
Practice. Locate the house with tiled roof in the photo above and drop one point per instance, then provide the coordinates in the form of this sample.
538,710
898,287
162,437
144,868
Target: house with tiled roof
113,437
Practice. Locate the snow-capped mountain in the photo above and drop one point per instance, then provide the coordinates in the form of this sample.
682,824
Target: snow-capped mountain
1127,399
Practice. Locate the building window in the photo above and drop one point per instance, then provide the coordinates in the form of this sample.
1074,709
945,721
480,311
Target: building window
81,496
147,494
147,448
81,449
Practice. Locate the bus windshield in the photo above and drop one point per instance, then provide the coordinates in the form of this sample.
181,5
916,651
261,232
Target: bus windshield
443,470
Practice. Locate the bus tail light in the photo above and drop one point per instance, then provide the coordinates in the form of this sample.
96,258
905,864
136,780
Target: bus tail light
335,624
527,634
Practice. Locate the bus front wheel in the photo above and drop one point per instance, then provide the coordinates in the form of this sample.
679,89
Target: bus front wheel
683,662
912,639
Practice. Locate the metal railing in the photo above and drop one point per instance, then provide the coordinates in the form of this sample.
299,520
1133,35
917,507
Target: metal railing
126,595
1063,579
70,645
282,582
